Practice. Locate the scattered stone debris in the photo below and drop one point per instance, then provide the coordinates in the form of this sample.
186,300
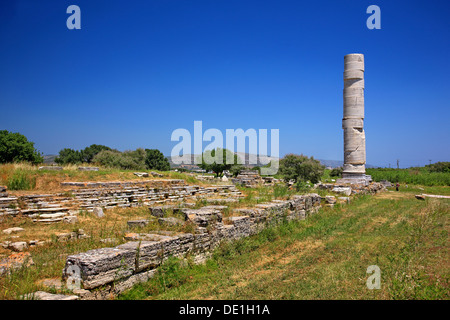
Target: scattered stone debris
248,178
141,174
156,174
33,243
343,190
109,240
330,201
218,200
131,236
203,217
79,234
13,230
216,207
161,210
70,219
423,196
15,261
202,177
51,168
87,168
344,199
18,246
98,212
386,183
41,295
138,223
170,221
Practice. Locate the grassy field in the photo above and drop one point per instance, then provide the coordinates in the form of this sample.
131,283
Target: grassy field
27,177
418,176
323,257
326,256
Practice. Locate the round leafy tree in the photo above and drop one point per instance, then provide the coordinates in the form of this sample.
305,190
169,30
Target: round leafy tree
301,168
218,160
15,147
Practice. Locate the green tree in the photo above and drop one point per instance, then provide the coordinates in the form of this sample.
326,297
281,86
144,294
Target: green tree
88,153
236,169
219,163
301,168
15,147
156,160
67,155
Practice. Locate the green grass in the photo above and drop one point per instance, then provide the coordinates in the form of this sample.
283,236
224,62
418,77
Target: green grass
21,180
325,257
419,176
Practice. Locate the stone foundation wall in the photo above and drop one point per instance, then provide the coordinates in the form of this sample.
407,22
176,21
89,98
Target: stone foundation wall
88,195
106,272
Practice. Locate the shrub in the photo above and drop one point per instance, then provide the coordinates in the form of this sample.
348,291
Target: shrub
21,180
128,160
236,169
439,167
336,172
301,168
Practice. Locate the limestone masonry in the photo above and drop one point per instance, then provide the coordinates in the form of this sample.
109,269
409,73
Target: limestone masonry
353,121
106,272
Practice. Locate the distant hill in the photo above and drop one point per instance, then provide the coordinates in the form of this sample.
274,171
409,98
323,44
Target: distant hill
339,163
245,158
50,158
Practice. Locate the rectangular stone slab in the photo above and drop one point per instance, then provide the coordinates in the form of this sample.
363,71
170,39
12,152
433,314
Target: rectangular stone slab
101,266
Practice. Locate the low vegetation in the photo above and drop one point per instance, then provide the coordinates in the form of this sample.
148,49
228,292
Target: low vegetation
427,176
25,176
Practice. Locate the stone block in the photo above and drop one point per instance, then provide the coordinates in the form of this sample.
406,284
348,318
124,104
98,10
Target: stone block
101,266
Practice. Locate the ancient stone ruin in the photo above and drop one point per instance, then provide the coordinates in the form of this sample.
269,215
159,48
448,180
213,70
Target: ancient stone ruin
54,207
102,273
248,178
353,121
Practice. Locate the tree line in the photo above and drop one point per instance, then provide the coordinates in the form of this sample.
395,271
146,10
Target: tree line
15,147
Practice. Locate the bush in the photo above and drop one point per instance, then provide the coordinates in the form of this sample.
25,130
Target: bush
236,169
301,168
155,160
21,180
15,147
128,160
336,172
439,167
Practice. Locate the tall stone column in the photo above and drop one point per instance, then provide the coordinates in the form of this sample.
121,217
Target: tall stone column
353,121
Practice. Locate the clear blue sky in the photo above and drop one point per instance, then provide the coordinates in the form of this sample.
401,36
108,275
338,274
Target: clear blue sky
137,70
